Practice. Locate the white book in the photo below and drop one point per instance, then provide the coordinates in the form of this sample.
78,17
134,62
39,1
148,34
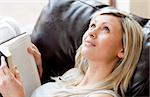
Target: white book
16,52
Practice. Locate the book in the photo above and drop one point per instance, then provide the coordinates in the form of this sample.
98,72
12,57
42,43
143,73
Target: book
15,52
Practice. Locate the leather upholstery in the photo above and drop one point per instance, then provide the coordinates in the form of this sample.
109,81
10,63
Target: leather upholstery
58,34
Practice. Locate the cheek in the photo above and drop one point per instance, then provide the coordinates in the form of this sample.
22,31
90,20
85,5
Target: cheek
104,46
108,47
104,42
84,36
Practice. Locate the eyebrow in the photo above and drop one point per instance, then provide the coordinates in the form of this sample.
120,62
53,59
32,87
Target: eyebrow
104,22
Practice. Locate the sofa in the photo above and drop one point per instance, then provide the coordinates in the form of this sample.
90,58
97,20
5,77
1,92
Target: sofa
58,32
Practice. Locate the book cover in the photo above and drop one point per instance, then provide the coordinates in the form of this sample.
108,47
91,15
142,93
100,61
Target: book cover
15,50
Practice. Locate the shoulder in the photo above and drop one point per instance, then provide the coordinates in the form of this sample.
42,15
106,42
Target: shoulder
101,95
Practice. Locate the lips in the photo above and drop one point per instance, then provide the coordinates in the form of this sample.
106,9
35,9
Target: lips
89,43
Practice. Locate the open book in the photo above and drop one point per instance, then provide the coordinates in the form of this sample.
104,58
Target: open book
15,50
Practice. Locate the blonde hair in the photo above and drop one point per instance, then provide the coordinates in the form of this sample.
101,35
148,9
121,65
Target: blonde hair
120,77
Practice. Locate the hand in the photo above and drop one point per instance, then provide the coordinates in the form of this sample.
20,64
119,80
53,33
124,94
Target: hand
33,50
10,81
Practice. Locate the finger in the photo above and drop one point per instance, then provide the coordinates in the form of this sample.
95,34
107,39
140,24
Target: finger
1,70
30,50
40,70
16,73
34,52
2,74
4,67
37,56
3,62
35,47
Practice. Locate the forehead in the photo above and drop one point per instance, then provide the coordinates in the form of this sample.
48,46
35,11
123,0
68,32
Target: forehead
110,19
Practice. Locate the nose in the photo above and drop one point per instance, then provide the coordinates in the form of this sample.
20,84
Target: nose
92,34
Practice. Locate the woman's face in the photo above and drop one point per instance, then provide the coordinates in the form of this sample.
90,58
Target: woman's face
103,39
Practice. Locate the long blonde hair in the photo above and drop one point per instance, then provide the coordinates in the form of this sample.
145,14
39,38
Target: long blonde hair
120,77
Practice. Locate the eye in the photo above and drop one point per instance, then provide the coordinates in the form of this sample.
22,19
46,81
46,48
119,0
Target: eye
106,29
92,25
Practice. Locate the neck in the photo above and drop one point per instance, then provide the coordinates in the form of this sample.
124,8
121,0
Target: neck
96,73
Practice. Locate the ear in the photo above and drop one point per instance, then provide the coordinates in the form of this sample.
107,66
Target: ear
121,54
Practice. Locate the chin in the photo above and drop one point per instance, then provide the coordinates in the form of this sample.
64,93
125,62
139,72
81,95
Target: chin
87,53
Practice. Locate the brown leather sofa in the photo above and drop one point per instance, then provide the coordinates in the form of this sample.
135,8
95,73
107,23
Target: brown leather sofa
58,34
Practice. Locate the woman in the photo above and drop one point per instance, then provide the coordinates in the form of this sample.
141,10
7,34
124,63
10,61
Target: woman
105,61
